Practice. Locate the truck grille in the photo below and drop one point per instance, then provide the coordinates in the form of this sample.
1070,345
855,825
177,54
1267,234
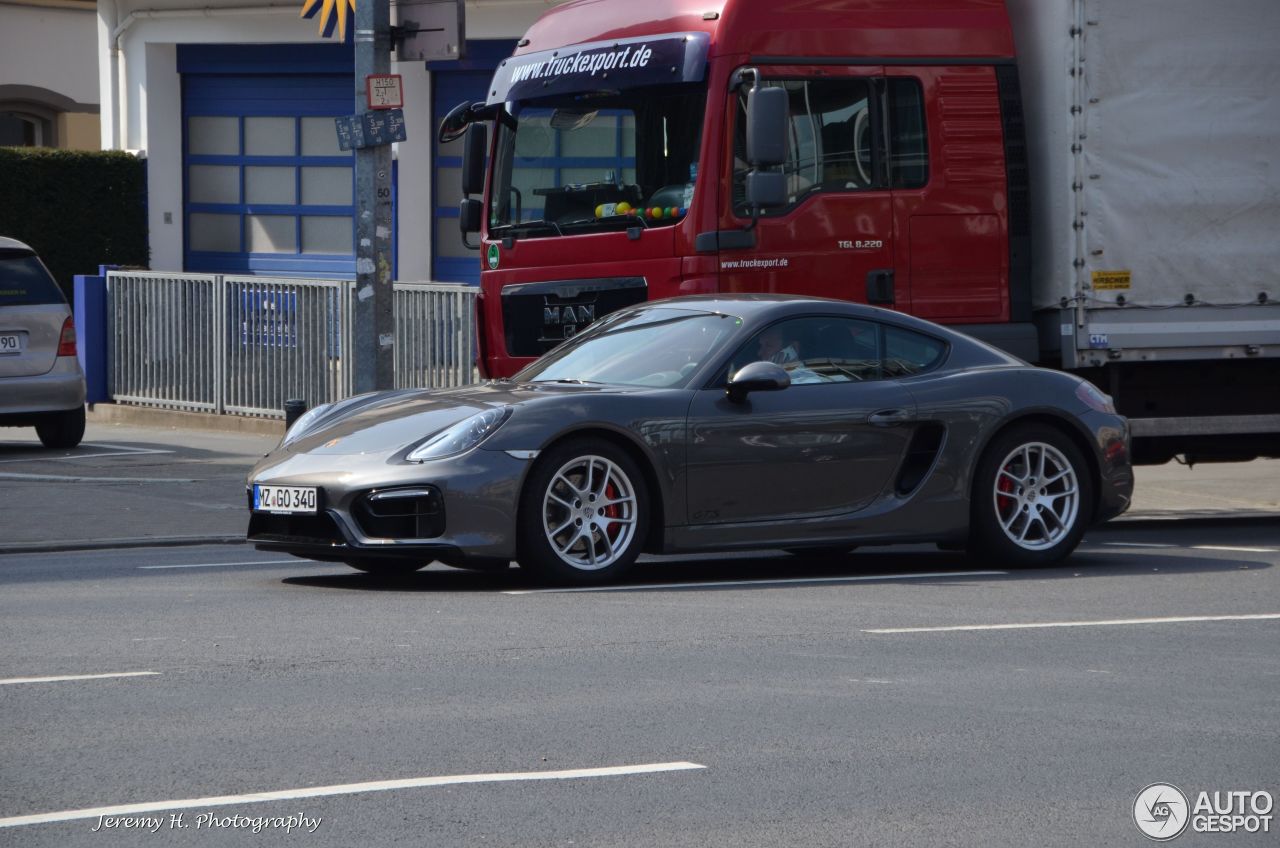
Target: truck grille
538,316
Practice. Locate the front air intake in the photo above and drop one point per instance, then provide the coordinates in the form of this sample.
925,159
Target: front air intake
416,513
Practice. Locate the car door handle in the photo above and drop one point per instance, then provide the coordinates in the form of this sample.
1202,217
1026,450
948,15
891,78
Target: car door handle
890,417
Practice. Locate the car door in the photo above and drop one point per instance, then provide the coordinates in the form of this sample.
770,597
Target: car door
827,445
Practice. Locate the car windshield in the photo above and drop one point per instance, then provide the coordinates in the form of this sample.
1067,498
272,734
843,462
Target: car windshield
653,347
25,282
596,161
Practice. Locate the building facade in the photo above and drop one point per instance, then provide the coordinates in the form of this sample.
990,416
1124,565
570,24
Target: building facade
48,74
232,104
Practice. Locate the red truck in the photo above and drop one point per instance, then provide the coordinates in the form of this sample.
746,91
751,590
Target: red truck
1052,176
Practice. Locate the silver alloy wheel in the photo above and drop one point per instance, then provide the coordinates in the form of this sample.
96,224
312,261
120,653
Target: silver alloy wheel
589,513
1037,496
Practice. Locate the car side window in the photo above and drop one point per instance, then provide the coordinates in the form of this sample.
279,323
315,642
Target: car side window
907,352
817,350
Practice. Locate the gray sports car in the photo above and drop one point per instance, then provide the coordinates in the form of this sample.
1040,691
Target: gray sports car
705,424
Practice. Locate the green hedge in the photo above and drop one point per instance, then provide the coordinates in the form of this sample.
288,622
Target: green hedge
78,209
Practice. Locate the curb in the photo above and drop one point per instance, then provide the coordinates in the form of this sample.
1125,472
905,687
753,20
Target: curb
142,416
110,544
1164,519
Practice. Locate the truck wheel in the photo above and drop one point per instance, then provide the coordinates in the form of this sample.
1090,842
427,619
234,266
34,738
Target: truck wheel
583,514
1032,498
62,429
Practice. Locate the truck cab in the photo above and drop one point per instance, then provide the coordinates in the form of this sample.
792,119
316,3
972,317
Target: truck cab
620,170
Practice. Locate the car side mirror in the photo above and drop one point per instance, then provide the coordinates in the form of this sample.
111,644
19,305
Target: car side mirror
757,377
473,150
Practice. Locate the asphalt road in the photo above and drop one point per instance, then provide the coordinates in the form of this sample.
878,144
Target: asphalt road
809,724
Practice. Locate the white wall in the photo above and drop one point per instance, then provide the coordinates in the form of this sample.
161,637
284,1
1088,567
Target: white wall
50,49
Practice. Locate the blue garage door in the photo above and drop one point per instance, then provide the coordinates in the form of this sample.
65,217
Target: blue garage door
266,189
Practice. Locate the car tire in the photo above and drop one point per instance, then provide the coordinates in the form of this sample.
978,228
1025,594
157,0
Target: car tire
387,567
584,513
1032,498
62,429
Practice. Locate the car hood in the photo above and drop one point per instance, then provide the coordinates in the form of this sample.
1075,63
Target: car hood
389,422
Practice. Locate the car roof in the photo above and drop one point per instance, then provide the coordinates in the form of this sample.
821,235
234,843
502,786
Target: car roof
757,309
13,244
755,305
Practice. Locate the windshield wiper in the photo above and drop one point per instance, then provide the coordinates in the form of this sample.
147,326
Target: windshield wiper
611,220
526,228
570,382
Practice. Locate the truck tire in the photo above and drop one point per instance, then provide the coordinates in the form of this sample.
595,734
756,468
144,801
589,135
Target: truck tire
1032,498
583,514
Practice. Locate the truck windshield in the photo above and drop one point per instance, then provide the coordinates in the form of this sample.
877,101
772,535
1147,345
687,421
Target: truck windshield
660,347
591,162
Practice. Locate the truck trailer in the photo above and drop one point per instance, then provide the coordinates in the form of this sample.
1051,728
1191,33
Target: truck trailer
1091,185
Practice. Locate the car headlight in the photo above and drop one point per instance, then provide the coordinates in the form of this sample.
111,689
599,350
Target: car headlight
461,437
304,422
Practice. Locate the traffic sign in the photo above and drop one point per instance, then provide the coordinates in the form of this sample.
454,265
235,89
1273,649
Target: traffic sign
384,91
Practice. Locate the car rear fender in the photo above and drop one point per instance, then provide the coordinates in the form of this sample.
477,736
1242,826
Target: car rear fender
1070,427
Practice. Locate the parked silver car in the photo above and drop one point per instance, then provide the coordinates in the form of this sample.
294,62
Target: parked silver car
41,383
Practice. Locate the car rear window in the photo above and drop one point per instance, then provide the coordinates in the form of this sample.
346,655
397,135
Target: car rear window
24,281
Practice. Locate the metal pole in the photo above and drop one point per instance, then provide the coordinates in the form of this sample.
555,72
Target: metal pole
374,331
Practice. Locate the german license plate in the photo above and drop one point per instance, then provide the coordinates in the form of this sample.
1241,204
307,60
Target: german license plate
10,343
288,499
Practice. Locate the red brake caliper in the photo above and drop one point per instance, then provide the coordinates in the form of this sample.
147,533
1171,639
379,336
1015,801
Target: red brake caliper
613,510
1003,502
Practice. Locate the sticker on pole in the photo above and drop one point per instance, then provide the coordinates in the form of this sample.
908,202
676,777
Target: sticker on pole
384,91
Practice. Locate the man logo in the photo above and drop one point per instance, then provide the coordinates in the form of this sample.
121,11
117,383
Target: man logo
1161,812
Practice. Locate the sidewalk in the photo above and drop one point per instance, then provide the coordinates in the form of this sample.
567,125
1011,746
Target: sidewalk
125,486
129,485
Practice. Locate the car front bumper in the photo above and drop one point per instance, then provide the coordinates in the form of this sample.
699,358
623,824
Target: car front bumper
469,515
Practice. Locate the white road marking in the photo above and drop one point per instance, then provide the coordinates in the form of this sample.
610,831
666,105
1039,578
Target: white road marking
219,564
80,478
118,450
1235,549
1107,623
12,680
341,789
784,581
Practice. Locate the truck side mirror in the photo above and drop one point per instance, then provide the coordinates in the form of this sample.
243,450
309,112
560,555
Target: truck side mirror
455,123
473,150
469,212
766,127
757,377
766,189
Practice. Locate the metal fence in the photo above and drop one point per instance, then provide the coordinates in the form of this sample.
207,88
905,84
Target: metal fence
245,345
